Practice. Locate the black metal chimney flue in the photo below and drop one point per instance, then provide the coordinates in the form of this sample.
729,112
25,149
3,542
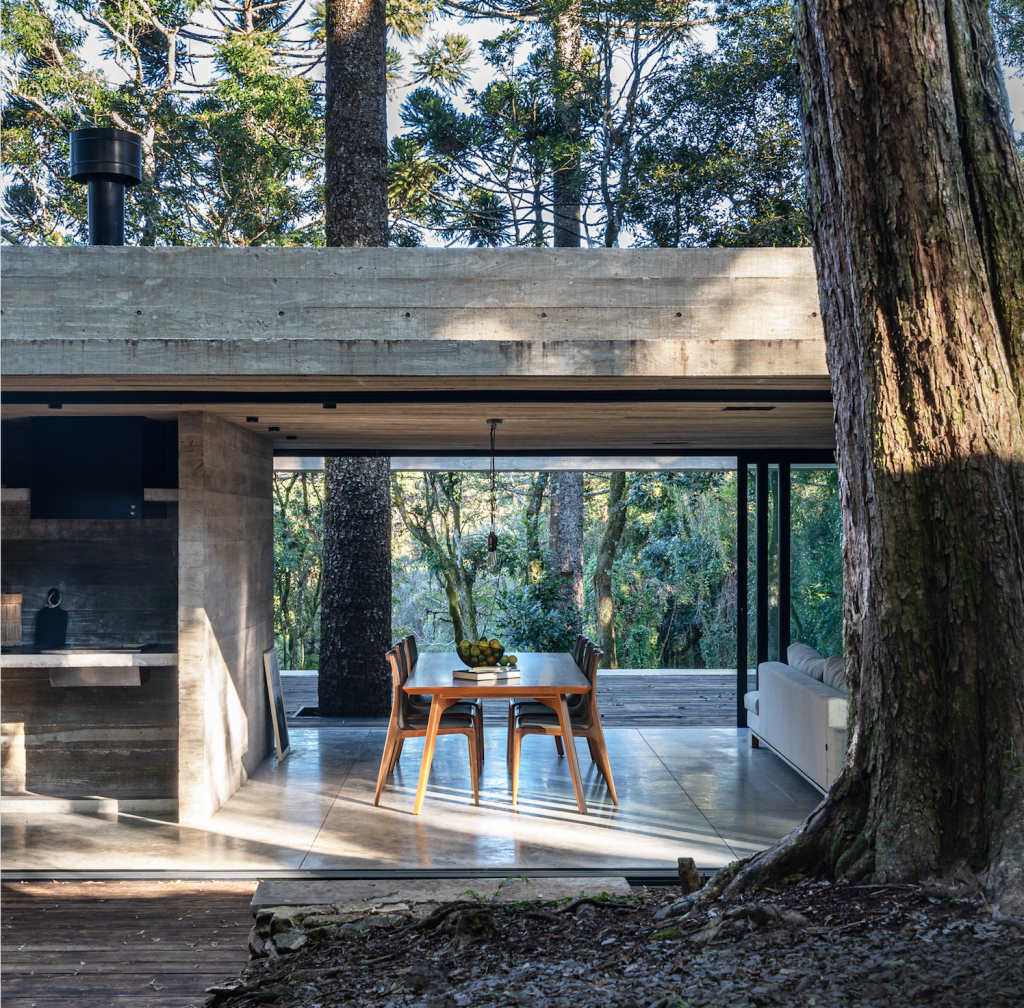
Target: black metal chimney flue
108,160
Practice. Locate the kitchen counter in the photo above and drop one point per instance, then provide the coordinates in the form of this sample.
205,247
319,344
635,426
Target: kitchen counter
90,659
93,668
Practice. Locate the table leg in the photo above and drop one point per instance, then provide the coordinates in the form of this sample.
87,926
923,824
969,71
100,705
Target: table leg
437,706
562,709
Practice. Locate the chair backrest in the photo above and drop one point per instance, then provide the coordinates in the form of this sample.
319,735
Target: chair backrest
411,650
594,656
584,662
396,674
401,703
578,649
403,658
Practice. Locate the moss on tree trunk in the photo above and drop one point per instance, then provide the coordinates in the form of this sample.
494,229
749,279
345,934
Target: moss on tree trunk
917,218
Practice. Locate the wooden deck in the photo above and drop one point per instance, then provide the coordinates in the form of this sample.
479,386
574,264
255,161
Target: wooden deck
127,944
677,701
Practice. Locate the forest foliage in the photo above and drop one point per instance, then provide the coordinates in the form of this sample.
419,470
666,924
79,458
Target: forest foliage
674,144
678,138
673,576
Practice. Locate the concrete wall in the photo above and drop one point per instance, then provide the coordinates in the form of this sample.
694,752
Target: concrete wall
118,581
114,741
225,608
722,313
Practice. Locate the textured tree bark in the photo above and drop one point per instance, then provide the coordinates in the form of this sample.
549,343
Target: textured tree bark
531,519
566,179
355,175
605,561
355,615
568,545
917,218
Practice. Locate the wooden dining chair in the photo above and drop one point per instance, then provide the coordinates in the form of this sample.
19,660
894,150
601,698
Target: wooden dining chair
408,654
517,707
419,704
584,723
578,649
406,723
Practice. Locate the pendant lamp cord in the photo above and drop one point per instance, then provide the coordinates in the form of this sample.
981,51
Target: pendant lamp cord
493,481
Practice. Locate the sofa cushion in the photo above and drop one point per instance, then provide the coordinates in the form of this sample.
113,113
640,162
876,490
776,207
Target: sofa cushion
750,702
805,659
834,673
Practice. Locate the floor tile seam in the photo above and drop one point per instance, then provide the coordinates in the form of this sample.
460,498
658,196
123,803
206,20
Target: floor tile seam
690,797
334,800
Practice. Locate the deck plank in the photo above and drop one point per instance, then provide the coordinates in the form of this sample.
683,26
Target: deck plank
680,701
95,944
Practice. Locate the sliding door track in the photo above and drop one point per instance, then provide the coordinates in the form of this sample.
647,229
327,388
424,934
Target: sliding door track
634,875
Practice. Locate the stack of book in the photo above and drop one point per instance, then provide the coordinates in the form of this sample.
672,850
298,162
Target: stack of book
485,673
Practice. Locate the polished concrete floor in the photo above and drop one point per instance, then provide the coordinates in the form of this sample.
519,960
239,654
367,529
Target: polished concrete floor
683,792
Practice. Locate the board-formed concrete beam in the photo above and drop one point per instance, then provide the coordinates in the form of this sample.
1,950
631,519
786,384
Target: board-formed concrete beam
419,312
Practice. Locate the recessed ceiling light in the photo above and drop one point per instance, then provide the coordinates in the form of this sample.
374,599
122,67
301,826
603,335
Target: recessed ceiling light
252,419
273,428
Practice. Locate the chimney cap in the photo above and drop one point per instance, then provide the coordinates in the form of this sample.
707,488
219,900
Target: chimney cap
106,153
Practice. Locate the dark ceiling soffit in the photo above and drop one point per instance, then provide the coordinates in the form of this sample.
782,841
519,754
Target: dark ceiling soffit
421,397
810,456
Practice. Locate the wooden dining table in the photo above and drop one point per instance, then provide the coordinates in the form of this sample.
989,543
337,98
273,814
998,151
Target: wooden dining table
543,676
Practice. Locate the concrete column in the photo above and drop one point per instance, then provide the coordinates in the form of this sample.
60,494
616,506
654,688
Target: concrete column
225,608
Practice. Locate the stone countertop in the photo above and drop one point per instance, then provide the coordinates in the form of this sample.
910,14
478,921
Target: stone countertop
90,659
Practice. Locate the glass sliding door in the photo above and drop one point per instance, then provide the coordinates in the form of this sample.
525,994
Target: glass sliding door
816,590
788,560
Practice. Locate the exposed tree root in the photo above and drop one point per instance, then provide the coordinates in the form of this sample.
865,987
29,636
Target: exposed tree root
830,843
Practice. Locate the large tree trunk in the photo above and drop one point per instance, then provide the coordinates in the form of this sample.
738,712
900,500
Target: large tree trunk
355,616
605,562
567,543
567,178
531,518
917,216
355,175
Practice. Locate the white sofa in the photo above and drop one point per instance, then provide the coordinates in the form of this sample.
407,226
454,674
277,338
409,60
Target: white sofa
800,719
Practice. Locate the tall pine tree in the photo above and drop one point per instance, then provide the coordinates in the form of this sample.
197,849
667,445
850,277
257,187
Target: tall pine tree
355,620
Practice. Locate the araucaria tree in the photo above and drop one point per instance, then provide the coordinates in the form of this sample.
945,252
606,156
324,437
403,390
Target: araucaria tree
916,200
355,615
355,622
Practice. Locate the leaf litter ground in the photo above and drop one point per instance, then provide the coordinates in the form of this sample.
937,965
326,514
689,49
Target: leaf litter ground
808,943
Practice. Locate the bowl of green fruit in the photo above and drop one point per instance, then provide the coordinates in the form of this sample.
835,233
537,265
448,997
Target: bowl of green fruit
482,652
